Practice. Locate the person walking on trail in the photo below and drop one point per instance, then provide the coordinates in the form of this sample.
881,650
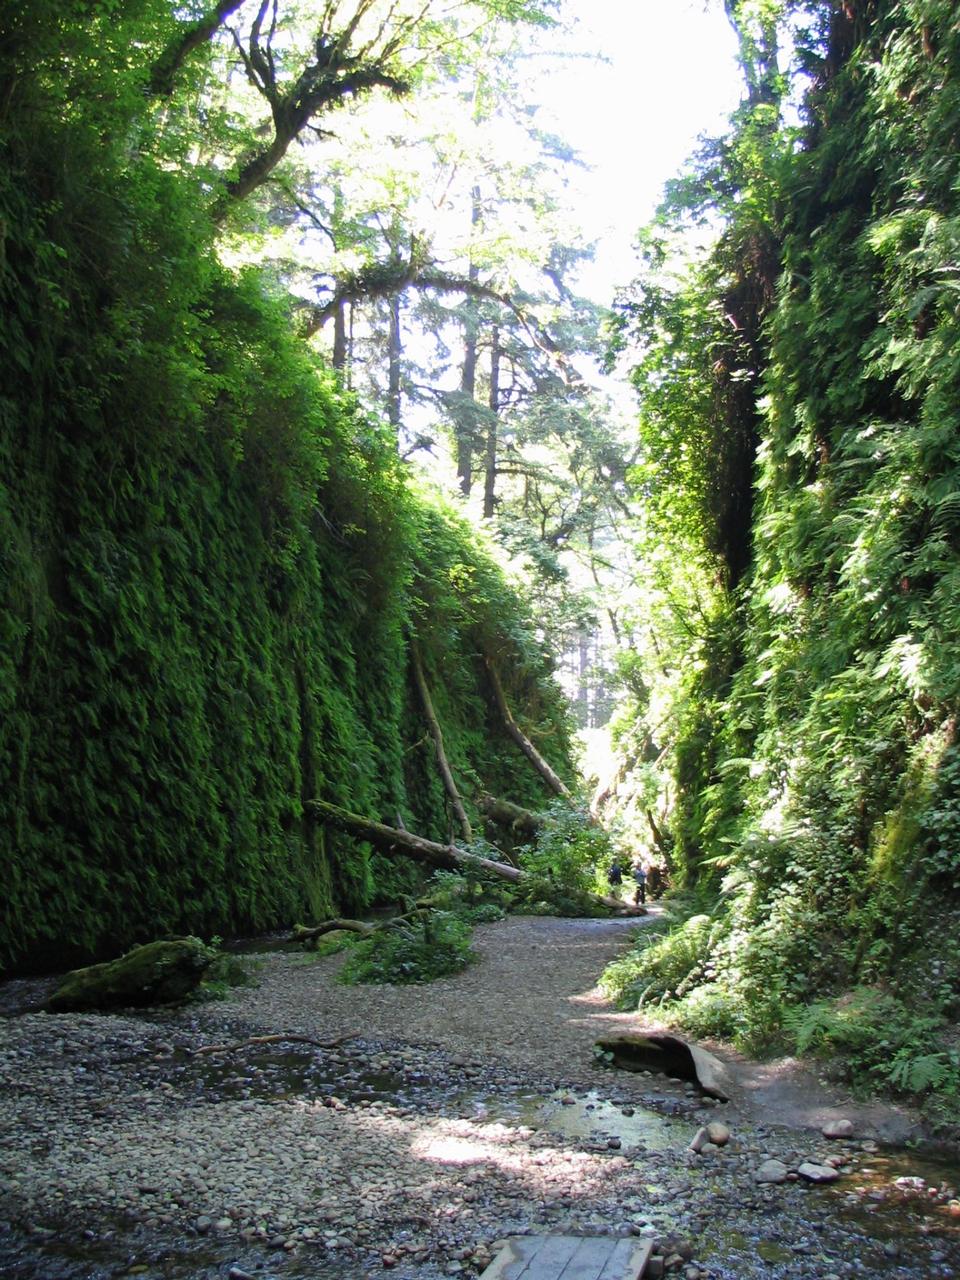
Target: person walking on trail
615,874
640,875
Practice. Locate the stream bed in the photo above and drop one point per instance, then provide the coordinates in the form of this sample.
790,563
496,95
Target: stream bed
125,1152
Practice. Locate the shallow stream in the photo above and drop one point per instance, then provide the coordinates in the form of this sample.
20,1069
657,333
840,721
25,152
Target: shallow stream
883,1206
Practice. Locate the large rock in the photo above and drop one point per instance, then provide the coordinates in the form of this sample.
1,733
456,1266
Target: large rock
718,1134
838,1129
672,1056
158,973
772,1171
817,1172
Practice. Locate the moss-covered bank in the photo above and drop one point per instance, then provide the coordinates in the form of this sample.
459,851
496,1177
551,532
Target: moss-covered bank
210,561
816,822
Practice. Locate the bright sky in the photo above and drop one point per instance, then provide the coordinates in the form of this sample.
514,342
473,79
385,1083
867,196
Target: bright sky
670,75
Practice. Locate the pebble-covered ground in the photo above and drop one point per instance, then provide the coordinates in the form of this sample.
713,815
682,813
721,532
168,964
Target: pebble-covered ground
445,1119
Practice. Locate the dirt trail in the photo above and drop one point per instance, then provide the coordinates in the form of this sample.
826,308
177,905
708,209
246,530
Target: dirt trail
532,1004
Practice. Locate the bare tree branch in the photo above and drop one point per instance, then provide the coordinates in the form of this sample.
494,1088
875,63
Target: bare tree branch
164,72
333,75
384,280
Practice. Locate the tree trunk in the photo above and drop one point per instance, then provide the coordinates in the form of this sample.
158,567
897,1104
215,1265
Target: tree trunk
394,349
255,171
658,837
340,337
506,814
164,71
449,785
466,429
446,856
490,453
319,88
390,839
520,738
583,678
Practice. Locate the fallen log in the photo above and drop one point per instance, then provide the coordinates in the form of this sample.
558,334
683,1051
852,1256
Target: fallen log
550,777
443,764
445,856
278,1039
162,972
301,933
507,814
310,933
391,839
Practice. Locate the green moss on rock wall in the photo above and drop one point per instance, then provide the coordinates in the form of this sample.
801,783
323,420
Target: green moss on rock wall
210,566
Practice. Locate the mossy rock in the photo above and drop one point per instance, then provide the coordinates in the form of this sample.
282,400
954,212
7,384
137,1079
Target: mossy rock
158,973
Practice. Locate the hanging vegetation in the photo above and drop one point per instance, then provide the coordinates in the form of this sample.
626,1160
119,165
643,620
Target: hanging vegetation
812,349
211,561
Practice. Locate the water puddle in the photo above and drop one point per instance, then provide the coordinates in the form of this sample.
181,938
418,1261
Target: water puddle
574,1118
302,1074
897,1194
894,1213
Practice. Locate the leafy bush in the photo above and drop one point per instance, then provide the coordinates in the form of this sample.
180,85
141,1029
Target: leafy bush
226,972
664,964
483,913
473,895
412,951
565,864
876,1040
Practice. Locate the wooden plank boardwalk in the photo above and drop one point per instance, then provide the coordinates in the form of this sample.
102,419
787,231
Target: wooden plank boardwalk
570,1258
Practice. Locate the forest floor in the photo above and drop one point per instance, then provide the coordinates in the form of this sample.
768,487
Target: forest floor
449,1117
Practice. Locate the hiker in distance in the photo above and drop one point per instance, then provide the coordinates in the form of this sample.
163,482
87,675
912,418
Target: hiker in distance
615,874
640,875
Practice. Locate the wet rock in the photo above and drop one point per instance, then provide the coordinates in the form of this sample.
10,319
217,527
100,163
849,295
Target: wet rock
817,1172
697,1143
772,1171
838,1129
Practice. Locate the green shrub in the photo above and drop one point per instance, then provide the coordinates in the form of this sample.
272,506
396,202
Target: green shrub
565,864
412,951
664,964
874,1036
473,895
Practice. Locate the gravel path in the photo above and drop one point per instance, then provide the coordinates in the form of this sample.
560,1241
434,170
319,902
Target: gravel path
530,1003
457,1114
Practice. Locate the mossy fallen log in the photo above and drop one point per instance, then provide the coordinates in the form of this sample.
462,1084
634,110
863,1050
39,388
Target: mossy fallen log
310,933
394,840
504,813
443,764
157,973
445,856
545,770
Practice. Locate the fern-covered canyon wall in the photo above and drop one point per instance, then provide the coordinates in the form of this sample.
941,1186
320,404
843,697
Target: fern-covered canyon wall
815,776
211,562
